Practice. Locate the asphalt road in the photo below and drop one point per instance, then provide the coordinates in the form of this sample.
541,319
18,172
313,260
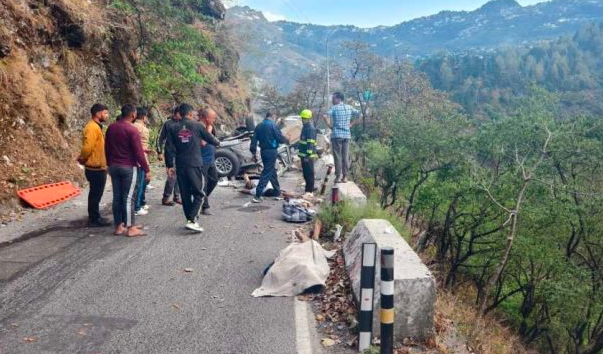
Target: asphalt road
68,289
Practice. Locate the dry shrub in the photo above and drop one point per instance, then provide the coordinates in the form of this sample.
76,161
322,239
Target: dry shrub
38,103
70,60
482,335
3,75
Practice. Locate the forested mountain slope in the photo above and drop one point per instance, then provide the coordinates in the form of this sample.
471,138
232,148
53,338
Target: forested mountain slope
280,52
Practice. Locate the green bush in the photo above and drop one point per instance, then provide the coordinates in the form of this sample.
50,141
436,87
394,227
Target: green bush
348,215
122,5
171,68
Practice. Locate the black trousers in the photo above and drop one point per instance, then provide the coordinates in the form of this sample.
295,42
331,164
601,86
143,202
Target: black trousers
308,171
97,180
125,186
210,172
171,186
192,190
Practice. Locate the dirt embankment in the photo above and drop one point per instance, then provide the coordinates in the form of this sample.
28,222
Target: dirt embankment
59,57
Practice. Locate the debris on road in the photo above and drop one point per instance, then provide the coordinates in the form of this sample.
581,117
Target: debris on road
338,229
328,342
30,339
317,229
297,211
223,182
188,270
335,307
177,307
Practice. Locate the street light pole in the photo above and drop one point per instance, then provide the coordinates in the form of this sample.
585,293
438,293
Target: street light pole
328,68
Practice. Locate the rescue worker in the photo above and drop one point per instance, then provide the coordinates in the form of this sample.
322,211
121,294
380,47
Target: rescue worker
307,149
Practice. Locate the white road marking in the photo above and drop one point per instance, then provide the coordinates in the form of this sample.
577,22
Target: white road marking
302,328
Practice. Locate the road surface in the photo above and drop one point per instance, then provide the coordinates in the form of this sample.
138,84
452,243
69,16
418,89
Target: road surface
67,289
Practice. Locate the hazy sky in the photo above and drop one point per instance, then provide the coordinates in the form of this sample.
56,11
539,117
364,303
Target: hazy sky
362,13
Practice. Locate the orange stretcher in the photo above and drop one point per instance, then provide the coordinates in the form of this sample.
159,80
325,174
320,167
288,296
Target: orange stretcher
49,195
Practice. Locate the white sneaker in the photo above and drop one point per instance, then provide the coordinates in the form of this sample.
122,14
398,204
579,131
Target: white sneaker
150,187
257,200
142,212
146,207
193,226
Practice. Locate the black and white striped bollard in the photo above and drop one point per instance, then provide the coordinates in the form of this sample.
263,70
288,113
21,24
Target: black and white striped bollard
367,293
323,188
387,300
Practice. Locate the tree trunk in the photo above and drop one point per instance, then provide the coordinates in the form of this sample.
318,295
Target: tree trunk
508,247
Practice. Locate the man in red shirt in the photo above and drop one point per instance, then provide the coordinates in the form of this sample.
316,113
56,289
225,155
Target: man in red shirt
125,155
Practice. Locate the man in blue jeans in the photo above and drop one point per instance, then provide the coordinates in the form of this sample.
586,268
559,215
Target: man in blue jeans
269,136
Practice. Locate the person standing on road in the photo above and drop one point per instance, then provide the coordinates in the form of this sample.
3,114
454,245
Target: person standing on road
341,122
307,149
269,136
141,125
183,150
171,184
208,118
125,155
92,157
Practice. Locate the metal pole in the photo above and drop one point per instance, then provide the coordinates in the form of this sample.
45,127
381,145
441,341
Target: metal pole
387,300
328,70
367,293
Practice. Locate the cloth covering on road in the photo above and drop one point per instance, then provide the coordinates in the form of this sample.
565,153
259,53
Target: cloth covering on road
298,267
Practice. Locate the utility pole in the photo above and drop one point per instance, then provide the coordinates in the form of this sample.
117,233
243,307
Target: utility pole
328,64
328,67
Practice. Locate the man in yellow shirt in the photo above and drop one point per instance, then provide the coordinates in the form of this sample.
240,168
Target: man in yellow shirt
92,156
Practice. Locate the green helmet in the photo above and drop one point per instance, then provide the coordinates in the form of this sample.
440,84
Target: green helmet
306,114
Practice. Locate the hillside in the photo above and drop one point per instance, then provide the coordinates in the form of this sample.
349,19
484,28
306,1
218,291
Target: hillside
59,57
489,84
280,52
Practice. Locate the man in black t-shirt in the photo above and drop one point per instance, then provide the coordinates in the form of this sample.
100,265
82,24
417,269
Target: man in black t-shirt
183,147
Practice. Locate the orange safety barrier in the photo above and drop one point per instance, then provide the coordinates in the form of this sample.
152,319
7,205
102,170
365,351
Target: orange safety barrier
48,195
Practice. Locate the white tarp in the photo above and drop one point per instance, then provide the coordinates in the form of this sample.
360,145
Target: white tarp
297,268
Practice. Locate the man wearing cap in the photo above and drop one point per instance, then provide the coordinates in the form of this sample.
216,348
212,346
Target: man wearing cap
307,149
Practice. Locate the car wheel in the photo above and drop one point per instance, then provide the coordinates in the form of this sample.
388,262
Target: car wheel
227,163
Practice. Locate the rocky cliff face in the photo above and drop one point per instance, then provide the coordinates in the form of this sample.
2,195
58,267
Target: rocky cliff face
59,57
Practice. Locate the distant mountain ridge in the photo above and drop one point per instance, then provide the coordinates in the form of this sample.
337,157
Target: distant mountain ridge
279,52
